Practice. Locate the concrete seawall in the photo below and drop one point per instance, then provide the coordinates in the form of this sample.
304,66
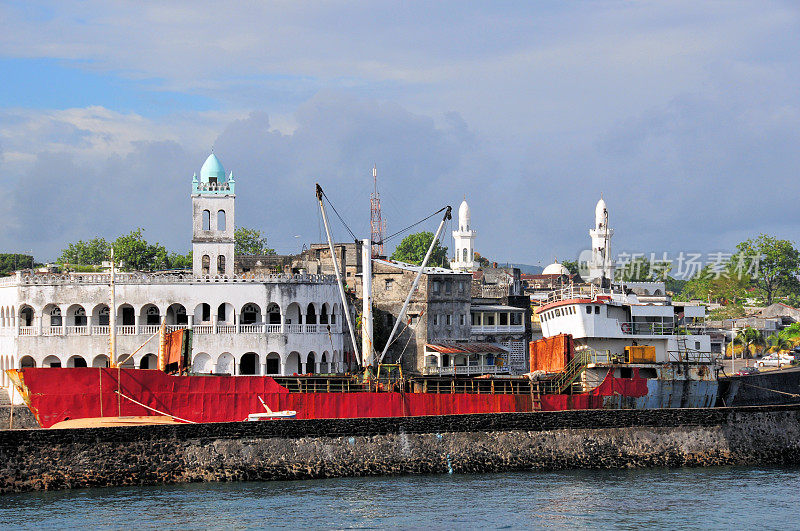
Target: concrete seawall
57,459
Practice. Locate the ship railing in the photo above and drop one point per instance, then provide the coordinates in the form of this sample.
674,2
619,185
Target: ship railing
581,291
464,370
690,356
646,328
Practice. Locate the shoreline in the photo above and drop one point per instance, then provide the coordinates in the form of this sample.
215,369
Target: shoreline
308,449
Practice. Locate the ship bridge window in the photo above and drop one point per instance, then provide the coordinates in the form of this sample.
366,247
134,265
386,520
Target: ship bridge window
504,319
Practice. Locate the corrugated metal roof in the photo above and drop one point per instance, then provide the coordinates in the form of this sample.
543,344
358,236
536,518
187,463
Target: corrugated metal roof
466,348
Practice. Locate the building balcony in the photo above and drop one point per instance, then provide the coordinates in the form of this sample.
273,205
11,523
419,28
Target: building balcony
148,330
498,329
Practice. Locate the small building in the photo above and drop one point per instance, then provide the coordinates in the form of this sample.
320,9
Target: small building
439,310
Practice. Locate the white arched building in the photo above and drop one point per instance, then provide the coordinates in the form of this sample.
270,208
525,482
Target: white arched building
243,324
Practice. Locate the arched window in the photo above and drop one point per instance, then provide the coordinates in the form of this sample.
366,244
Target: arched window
102,317
221,220
80,317
206,220
206,263
153,316
55,316
221,264
221,312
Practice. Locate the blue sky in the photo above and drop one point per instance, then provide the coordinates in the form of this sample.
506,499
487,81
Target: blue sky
683,114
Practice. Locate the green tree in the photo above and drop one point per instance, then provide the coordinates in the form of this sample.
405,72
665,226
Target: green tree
10,262
641,269
749,339
414,246
571,265
780,342
482,260
137,254
250,242
92,252
772,264
721,283
179,261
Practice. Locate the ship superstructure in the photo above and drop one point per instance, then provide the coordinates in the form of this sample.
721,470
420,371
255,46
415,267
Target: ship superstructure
613,332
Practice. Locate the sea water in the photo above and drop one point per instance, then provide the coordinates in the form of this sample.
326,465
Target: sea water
709,498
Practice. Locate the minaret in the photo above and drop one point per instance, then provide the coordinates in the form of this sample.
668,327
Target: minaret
601,265
213,220
464,239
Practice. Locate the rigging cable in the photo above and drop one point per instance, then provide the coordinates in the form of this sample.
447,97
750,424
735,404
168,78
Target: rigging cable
338,215
409,227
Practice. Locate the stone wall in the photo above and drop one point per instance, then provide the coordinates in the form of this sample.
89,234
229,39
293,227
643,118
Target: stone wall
23,419
56,459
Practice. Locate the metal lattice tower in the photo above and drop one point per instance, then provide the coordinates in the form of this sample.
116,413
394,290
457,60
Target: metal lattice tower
376,225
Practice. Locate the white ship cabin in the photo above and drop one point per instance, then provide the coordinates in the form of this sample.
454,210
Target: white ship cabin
609,320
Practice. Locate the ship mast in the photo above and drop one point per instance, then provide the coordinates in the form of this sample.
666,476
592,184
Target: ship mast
367,348
112,318
320,195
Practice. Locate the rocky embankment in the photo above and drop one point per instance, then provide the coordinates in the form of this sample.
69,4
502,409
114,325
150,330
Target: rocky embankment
302,449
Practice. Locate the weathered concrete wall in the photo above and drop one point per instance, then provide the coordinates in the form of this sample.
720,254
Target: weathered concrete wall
45,459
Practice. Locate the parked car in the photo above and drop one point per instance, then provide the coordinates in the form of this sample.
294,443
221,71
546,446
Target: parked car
773,360
746,371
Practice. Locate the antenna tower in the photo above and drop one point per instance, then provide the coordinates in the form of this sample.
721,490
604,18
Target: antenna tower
376,225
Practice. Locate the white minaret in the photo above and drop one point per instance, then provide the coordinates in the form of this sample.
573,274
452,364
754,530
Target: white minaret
464,239
213,222
601,265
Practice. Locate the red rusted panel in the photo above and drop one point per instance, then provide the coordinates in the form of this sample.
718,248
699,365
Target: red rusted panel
57,394
551,354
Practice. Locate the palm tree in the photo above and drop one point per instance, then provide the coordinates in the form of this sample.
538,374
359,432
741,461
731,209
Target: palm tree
748,338
779,342
793,333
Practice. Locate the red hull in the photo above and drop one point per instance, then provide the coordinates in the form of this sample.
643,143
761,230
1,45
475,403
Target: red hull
54,395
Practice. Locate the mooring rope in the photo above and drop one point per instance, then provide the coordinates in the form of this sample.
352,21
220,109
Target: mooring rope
155,410
793,395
